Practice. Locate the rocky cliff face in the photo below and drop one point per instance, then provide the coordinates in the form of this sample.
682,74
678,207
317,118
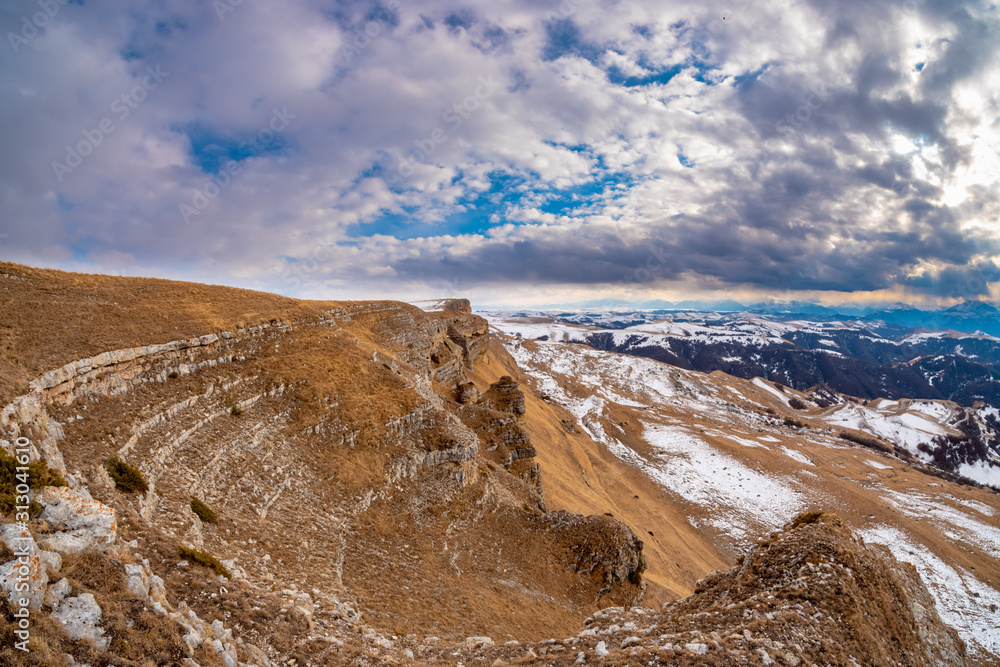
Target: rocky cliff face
349,486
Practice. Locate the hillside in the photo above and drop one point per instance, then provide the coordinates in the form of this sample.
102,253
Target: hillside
741,461
228,477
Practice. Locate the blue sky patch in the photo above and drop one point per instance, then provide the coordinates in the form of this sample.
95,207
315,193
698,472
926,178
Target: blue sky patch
211,150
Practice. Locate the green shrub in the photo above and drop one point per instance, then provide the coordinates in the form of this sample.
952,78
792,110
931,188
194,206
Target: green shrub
203,511
205,559
127,479
39,475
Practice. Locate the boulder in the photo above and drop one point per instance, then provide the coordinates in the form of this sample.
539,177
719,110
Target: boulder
505,396
84,523
468,394
81,616
56,593
27,567
138,581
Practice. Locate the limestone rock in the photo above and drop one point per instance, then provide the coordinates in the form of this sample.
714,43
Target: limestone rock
468,393
56,593
504,395
27,567
84,522
82,617
51,561
138,581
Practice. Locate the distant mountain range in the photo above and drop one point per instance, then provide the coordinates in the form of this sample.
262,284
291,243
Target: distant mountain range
966,317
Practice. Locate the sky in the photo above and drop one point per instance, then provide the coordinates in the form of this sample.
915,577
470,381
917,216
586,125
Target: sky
510,151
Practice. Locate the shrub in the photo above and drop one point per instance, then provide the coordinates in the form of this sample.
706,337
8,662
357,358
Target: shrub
870,443
796,404
127,479
203,511
39,475
205,559
173,375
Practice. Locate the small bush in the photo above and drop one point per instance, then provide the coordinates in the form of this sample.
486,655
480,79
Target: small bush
203,511
205,559
796,404
236,411
870,443
39,476
173,375
127,479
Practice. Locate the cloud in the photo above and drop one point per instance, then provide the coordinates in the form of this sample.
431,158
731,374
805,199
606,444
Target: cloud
821,146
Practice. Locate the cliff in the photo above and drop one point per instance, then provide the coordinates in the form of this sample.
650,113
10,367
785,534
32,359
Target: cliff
344,473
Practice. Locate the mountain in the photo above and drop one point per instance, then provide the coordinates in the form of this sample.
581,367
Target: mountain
224,477
967,317
857,359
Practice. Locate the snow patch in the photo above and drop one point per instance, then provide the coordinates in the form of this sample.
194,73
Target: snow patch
747,499
963,601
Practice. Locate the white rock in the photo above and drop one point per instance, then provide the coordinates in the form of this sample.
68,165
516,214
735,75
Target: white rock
27,567
19,541
234,569
138,581
700,649
601,649
478,642
630,641
56,593
51,561
81,616
85,523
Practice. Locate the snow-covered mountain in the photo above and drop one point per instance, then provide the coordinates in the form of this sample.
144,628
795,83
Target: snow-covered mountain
867,359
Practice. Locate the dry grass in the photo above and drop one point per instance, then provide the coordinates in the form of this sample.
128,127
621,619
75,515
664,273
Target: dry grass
139,637
52,317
